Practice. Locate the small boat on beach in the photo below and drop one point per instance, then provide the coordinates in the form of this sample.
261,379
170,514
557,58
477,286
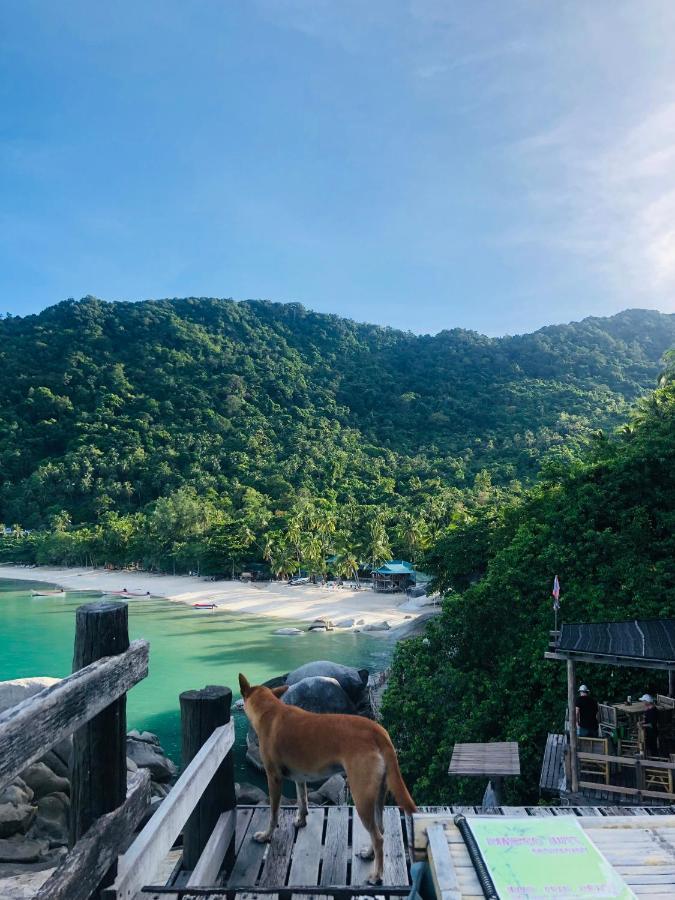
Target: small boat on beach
125,594
59,593
204,606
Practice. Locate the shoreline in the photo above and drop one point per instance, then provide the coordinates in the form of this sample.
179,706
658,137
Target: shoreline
275,600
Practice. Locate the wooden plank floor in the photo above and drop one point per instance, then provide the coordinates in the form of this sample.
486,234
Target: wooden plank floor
324,852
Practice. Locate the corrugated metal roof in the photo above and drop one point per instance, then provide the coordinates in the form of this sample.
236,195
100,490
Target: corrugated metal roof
639,639
395,568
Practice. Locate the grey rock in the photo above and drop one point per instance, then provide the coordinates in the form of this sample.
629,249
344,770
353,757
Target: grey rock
43,781
150,756
352,681
16,819
19,689
288,631
319,694
377,626
249,794
334,790
314,798
22,851
54,762
160,790
52,819
146,736
131,765
17,792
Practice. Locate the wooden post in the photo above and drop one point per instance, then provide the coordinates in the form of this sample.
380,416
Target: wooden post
671,682
201,713
98,777
572,716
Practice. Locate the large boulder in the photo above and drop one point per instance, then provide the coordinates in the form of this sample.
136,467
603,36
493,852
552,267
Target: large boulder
149,756
18,689
319,694
23,851
17,792
16,818
51,822
42,781
249,794
352,681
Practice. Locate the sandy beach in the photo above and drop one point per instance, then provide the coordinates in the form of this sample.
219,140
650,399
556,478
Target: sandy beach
302,603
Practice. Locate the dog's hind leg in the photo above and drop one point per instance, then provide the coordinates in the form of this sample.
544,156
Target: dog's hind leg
301,794
366,788
274,785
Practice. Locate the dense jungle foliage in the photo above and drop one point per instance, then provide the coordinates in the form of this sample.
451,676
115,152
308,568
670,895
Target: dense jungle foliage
605,523
210,434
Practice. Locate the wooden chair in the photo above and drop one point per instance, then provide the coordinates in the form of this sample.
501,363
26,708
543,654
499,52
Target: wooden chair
659,779
607,720
599,769
665,702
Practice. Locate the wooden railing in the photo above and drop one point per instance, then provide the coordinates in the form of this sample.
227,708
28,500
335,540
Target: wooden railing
644,769
90,704
138,866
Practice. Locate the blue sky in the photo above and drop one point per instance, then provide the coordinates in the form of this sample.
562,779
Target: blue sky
493,164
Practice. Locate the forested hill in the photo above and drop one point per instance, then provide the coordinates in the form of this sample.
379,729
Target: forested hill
606,525
107,407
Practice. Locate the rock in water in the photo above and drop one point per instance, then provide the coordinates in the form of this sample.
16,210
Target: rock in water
24,851
18,689
150,756
52,818
319,694
289,631
43,781
249,794
352,681
16,818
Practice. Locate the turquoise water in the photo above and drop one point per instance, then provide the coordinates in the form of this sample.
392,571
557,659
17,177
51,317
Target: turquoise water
188,649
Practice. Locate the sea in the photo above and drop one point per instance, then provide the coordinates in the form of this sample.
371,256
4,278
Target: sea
189,649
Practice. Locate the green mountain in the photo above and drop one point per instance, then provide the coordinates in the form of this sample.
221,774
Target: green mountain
606,525
217,429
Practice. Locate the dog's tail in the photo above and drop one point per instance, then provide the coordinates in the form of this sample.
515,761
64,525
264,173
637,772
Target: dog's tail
395,781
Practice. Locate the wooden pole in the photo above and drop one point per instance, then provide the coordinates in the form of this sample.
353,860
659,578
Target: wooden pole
98,776
201,713
671,682
572,716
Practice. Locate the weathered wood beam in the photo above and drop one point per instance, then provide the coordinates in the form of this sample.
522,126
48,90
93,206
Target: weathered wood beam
79,873
201,713
139,864
98,769
572,718
600,660
211,860
32,727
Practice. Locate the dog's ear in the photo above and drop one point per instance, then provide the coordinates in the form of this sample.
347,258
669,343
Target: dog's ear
244,686
280,691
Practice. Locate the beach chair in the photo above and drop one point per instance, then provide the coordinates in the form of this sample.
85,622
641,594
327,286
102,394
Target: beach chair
592,768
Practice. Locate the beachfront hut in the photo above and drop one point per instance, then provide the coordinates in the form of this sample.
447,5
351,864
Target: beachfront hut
395,575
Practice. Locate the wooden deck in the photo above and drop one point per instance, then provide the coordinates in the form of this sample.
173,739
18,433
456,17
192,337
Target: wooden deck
640,847
325,853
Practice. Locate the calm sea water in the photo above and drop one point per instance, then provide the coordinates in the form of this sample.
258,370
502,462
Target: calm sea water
188,649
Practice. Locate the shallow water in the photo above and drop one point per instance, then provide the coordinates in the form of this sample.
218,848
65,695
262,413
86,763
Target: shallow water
189,649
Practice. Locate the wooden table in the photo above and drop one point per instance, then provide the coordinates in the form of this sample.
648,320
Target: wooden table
636,708
494,761
498,758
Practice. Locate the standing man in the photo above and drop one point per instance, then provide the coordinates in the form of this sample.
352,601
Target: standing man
587,713
650,723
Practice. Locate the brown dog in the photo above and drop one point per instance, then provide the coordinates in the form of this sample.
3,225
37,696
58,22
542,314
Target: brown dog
305,746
